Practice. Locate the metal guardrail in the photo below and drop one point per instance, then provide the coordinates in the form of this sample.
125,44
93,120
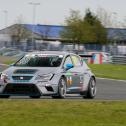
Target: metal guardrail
119,60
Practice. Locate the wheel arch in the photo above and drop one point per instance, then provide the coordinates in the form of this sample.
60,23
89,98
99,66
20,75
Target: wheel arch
93,77
64,77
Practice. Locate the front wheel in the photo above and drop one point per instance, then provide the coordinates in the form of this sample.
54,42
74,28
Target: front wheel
91,93
61,89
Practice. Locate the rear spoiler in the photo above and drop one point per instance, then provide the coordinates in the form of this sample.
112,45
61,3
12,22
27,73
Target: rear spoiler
85,56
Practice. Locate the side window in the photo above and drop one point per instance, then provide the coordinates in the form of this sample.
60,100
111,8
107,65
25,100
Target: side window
67,61
76,61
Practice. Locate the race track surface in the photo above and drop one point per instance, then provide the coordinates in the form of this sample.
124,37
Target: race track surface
111,89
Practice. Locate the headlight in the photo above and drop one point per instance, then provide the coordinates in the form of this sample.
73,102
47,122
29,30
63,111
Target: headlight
44,77
4,77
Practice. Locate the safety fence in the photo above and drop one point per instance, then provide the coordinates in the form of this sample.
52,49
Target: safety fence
119,59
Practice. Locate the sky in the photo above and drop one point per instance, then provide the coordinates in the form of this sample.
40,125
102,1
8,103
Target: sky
53,12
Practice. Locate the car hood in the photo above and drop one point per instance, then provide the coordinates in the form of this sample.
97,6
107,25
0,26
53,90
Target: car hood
30,70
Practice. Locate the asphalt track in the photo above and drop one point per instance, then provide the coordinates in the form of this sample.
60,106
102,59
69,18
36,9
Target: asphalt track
107,89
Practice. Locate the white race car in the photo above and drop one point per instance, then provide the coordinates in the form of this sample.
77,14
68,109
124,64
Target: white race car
51,73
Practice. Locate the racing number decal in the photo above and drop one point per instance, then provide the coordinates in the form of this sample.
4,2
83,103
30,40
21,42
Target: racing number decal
69,80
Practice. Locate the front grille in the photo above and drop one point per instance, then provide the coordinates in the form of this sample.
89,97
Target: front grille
25,89
22,77
24,71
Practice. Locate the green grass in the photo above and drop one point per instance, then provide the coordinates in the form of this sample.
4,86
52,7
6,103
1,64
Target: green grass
7,60
109,71
62,113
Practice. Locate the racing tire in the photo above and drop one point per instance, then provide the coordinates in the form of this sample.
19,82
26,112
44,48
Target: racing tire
91,93
35,97
4,96
61,89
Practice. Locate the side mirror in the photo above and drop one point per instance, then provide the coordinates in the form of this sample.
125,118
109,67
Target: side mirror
11,64
69,66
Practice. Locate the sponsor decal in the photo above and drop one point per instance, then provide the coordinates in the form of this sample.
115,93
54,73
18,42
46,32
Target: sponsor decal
68,74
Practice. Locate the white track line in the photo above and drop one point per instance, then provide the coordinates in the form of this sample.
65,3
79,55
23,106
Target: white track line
110,79
3,64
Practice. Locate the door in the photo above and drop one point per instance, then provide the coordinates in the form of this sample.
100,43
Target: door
77,74
74,75
70,75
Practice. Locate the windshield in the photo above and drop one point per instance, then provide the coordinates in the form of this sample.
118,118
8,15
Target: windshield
40,61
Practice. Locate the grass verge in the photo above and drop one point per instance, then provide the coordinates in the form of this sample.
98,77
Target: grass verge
109,71
7,60
62,113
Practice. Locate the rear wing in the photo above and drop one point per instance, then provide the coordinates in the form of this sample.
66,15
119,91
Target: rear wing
86,57
92,58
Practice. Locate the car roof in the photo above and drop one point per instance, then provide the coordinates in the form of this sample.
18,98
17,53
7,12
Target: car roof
51,52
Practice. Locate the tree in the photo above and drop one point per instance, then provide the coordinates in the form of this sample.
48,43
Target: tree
94,30
86,29
19,32
73,23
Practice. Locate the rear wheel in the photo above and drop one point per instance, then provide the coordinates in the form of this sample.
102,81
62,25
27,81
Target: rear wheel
61,89
91,93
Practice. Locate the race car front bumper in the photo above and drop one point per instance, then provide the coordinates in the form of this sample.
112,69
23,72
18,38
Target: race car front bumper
28,89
